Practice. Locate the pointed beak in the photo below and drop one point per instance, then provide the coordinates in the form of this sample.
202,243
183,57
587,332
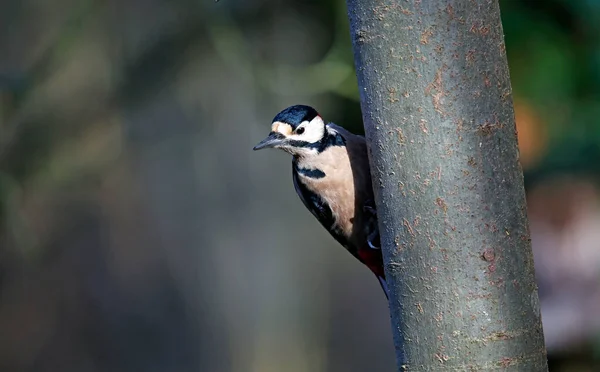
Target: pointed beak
274,139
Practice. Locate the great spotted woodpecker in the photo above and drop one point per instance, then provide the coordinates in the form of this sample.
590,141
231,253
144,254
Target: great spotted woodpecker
330,169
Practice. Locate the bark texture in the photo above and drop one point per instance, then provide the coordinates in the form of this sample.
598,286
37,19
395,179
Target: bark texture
439,120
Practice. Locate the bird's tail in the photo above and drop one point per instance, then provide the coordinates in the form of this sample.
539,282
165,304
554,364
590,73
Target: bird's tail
384,286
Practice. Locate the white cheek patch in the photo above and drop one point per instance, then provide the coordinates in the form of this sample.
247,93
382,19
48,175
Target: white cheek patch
313,131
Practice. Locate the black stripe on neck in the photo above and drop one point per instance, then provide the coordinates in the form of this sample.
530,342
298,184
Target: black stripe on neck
311,173
328,140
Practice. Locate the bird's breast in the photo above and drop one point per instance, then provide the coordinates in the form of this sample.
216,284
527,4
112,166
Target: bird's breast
330,177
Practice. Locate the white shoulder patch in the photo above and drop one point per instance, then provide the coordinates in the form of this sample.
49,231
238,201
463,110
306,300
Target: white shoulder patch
334,128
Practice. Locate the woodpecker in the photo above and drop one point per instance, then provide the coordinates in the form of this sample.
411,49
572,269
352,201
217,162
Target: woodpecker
331,174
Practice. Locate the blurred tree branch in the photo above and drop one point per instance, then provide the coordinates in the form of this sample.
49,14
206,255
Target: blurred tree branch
436,100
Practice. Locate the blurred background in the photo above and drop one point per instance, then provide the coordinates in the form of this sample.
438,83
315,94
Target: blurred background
139,232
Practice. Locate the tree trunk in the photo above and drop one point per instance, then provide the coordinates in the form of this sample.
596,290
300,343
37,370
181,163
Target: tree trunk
438,114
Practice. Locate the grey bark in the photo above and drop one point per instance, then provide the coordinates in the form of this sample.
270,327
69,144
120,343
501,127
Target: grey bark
438,114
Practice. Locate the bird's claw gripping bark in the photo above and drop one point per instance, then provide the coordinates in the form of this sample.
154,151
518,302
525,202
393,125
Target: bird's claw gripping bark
370,208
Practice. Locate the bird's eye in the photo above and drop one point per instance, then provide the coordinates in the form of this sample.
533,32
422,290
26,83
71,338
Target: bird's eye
300,130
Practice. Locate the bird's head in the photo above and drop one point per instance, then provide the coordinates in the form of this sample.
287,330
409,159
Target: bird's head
297,130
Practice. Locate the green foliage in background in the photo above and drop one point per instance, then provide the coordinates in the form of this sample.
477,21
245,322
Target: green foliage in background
553,49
